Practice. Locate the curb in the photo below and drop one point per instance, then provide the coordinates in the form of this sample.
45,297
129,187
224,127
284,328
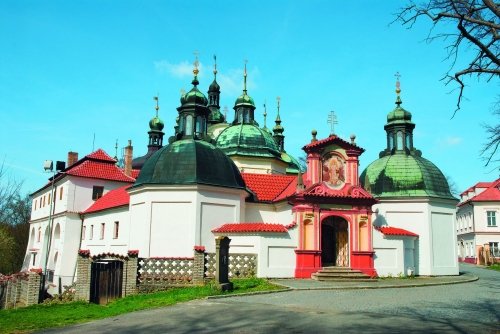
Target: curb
359,287
391,286
285,289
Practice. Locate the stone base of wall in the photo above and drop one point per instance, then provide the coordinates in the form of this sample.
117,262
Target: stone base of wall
20,290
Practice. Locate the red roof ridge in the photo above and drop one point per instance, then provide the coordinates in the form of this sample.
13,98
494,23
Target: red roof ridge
250,228
389,230
331,139
100,154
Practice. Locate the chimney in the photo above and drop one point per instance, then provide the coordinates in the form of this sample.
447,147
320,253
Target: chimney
72,158
128,159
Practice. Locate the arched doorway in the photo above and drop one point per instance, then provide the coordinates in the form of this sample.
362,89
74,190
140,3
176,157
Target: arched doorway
335,242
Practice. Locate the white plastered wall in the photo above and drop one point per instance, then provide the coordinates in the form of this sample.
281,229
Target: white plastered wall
394,255
434,222
108,244
168,221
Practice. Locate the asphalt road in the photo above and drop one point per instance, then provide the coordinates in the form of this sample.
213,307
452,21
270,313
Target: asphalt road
461,308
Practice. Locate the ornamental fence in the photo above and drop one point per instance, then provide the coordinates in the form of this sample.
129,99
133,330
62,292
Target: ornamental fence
241,265
156,273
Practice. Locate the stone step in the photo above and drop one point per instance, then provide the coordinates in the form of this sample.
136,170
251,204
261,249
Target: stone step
340,274
331,279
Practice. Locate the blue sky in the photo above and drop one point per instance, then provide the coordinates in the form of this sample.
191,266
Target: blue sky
70,70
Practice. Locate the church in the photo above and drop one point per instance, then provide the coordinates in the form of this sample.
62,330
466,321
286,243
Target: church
216,177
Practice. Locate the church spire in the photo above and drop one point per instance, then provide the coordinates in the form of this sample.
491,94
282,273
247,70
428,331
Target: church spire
399,127
244,106
194,111
215,116
156,126
278,136
265,117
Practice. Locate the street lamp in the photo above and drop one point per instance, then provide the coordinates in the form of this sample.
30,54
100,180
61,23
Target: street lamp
48,166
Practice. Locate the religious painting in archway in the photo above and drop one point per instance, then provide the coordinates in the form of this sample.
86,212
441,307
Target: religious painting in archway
333,170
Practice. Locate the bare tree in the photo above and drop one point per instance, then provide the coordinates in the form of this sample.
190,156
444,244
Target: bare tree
477,28
477,25
15,213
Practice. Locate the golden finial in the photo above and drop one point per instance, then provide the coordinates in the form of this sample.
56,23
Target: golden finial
398,84
398,88
157,105
196,63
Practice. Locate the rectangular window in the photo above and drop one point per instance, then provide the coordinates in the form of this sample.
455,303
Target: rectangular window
115,230
34,258
102,231
91,232
60,193
84,231
43,200
36,202
97,192
492,219
48,202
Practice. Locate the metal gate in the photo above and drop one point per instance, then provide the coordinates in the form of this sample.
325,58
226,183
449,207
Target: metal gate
106,281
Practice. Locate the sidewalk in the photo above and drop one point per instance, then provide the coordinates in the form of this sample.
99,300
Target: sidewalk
385,283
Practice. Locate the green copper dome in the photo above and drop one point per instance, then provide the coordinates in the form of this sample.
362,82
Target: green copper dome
244,100
156,124
402,175
190,161
399,114
293,164
194,96
247,139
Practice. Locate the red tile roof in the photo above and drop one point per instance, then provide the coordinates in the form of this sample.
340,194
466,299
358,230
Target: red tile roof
329,140
490,194
135,173
112,199
386,230
250,228
100,155
270,187
99,170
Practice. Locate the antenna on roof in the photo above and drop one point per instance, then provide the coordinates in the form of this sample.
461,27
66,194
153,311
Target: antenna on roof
93,143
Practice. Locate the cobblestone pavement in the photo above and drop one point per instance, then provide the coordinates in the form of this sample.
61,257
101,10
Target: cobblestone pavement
472,307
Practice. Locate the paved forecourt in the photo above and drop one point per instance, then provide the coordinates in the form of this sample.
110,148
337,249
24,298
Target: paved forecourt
471,307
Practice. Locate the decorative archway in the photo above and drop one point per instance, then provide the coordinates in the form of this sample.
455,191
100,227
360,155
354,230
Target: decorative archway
335,242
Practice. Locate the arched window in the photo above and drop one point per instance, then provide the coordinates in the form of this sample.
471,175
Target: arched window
391,142
408,143
39,236
189,125
57,232
399,141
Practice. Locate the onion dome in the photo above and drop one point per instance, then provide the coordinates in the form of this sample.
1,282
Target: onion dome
194,96
214,86
404,175
247,139
156,124
401,171
190,161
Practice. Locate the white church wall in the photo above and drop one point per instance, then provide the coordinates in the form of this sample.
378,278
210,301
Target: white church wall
112,241
216,206
275,252
67,249
276,213
259,165
80,191
389,255
443,234
415,215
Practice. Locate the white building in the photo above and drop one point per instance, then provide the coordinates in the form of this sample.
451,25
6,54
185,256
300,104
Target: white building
476,222
243,184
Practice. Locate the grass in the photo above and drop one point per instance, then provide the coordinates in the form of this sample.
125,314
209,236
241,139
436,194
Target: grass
495,266
37,317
